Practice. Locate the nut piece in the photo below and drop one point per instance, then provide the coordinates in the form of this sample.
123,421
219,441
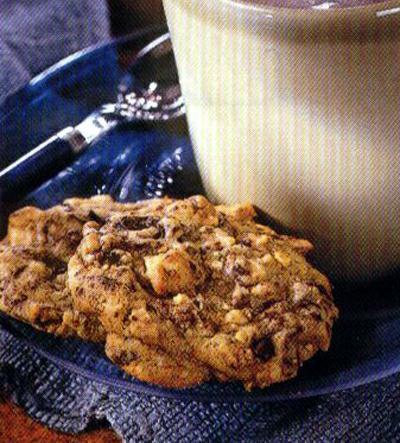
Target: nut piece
239,296
225,239
283,258
181,299
257,241
89,228
261,241
216,265
257,270
90,244
267,258
300,245
218,238
300,290
194,210
170,272
38,269
237,317
240,211
263,290
244,335
140,314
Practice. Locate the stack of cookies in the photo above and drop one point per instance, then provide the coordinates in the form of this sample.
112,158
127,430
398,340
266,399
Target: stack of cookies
179,291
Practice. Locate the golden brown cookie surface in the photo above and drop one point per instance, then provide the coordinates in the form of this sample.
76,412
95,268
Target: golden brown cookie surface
153,365
205,284
59,229
33,289
181,290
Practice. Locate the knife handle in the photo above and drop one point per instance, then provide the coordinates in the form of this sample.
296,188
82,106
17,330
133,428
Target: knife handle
40,164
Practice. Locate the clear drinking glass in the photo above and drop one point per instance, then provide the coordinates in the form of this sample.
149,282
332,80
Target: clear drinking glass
295,107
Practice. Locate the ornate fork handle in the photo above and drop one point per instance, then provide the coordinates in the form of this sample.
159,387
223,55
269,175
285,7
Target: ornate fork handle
149,105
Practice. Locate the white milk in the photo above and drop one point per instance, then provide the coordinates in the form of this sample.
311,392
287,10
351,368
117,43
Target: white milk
297,111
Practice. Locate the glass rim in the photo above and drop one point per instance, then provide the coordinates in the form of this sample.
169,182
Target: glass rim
266,6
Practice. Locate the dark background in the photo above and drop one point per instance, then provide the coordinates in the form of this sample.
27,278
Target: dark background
128,15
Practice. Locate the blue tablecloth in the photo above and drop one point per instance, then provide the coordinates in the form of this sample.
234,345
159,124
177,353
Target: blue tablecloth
33,35
68,403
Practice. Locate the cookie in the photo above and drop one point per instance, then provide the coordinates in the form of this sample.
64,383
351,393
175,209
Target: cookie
151,364
33,288
59,229
181,291
204,284
33,263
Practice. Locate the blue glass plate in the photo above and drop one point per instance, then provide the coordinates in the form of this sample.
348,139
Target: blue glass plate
142,161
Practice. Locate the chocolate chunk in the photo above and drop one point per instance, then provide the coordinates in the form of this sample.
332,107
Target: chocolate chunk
58,266
112,258
245,242
240,270
124,358
224,224
13,300
96,217
135,223
263,348
19,271
107,282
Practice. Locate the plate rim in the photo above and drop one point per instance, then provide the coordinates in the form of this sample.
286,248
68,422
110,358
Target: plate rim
152,390
39,81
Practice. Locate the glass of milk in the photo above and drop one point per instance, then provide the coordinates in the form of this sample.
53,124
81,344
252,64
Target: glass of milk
295,106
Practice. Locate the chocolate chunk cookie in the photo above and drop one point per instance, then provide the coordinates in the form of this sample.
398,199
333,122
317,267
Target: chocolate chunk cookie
59,229
153,365
33,284
205,285
33,289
